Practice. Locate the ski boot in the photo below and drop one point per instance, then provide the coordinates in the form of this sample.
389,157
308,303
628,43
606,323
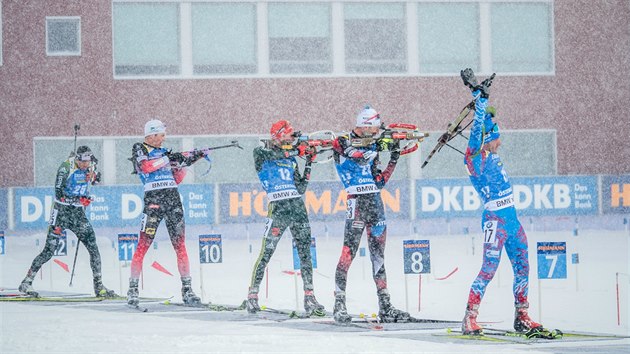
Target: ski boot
26,286
252,302
311,306
188,296
522,322
340,313
101,291
469,324
388,313
133,293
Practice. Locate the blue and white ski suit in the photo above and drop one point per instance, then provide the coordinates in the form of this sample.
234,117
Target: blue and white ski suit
499,222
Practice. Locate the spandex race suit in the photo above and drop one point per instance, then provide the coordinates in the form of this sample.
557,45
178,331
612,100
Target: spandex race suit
500,225
279,175
160,172
363,180
71,186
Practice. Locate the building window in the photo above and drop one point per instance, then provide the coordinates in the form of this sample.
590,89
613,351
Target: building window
63,36
448,37
146,39
267,38
522,37
375,38
224,38
299,38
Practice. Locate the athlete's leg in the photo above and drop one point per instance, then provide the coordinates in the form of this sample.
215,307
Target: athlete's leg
494,234
377,237
85,233
151,218
351,238
516,249
274,228
57,223
176,226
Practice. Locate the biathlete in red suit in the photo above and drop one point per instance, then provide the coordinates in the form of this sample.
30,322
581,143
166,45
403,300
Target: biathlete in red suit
160,171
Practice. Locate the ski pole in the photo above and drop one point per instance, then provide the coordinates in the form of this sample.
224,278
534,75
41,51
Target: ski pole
74,262
76,253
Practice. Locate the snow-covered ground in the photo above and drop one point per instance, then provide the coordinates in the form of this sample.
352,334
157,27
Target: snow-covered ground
585,301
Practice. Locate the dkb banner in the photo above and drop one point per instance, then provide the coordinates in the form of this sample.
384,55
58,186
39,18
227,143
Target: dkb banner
113,206
559,195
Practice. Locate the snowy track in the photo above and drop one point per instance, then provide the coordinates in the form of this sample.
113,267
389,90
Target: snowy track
111,327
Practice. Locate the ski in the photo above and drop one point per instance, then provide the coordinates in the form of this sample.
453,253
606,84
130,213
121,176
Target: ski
138,308
457,334
490,334
70,298
534,333
209,306
51,299
293,313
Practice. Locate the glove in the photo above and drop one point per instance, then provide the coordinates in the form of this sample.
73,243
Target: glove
306,151
394,155
468,76
383,144
394,146
197,154
85,201
93,177
484,88
369,155
175,156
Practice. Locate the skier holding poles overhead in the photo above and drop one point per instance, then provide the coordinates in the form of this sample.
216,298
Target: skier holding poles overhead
499,222
72,184
278,172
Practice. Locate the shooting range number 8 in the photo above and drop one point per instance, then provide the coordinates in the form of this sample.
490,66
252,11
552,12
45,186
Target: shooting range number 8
416,262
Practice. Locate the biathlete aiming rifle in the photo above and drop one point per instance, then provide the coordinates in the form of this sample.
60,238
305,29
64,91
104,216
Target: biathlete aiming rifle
393,133
309,145
455,128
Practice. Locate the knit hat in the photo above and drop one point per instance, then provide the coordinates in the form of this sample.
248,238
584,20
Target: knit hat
154,127
368,117
280,128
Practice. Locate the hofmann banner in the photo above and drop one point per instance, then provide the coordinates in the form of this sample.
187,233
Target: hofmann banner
616,194
325,201
533,196
115,206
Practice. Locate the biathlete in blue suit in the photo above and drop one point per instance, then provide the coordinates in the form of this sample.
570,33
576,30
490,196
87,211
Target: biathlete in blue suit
499,222
281,179
72,197
358,168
